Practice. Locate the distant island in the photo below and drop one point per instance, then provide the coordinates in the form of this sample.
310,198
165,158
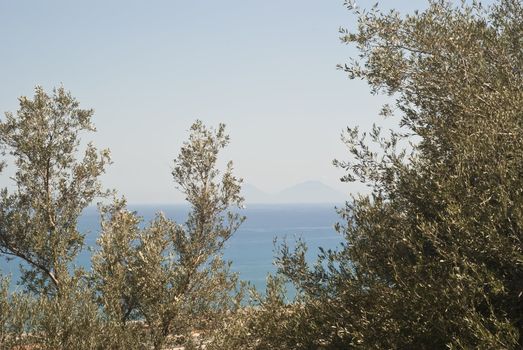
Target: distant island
305,192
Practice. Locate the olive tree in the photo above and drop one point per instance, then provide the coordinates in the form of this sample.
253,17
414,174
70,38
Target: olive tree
15,318
171,276
38,218
38,222
433,255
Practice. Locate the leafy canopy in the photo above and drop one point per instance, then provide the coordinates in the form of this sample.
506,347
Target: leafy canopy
433,256
52,187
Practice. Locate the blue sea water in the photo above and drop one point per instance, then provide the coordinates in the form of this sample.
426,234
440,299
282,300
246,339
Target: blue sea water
251,248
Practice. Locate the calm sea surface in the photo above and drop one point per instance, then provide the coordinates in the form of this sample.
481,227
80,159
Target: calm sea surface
251,249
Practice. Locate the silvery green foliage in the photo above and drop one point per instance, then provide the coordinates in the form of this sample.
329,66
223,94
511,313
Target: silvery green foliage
268,322
52,187
16,317
114,262
167,277
433,257
70,321
150,287
38,222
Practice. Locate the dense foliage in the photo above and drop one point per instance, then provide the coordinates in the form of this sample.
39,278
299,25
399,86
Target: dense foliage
168,275
38,221
433,255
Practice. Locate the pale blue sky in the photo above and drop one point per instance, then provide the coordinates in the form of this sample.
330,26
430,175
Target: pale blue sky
150,68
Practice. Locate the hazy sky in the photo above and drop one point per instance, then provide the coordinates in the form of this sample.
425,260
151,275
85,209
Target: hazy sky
150,68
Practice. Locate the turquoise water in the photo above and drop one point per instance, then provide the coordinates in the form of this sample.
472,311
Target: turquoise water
251,249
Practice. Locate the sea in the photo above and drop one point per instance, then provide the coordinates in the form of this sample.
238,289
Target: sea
251,249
